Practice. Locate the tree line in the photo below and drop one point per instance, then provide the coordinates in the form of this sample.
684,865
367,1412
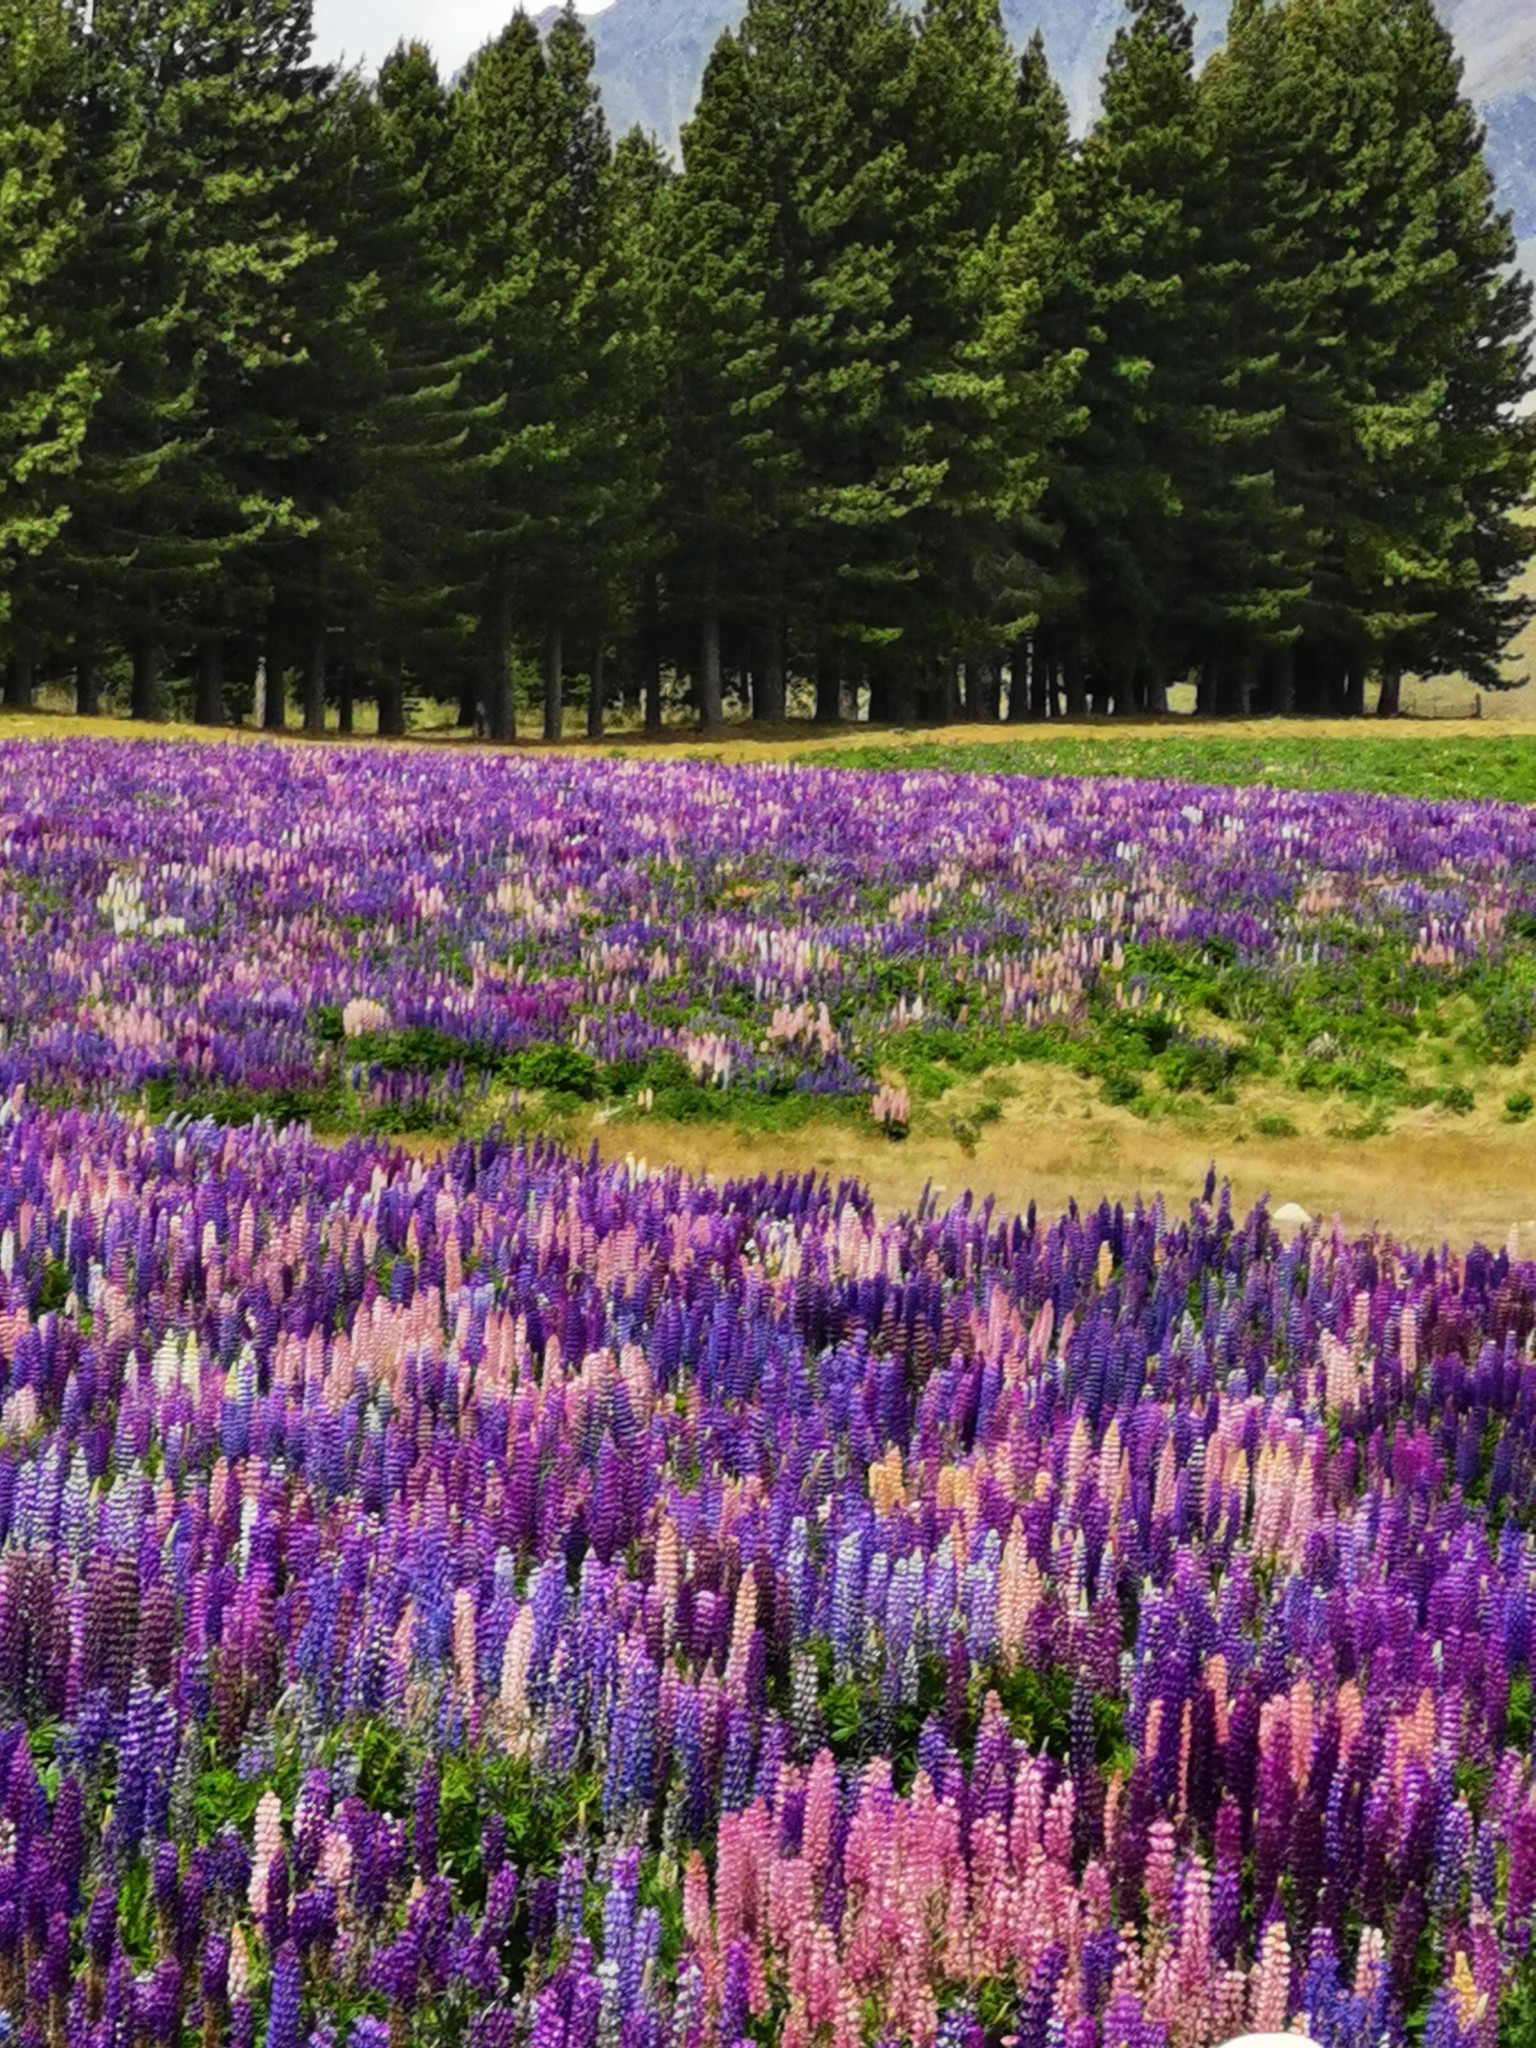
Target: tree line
892,393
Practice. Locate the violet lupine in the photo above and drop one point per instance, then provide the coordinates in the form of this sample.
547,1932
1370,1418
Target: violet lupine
217,901
1085,1615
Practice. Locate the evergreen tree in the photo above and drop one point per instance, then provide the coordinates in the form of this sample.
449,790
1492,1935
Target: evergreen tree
893,383
530,154
842,77
1468,322
423,460
1132,216
1397,338
589,507
990,144
727,481
191,162
48,382
797,221
629,383
970,182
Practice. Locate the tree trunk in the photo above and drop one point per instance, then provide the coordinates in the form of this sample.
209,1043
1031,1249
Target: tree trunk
1354,689
829,692
210,681
275,711
18,683
469,699
391,699
946,709
650,649
500,711
1207,690
970,672
880,696
1018,682
146,676
1125,694
711,682
554,682
314,683
1042,675
1282,681
1229,686
992,689
1072,664
87,684
1309,681
1390,703
769,700
346,689
595,695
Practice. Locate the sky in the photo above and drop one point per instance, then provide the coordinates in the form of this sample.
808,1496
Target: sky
369,29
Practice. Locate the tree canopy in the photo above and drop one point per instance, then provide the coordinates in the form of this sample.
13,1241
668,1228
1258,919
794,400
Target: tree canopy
892,394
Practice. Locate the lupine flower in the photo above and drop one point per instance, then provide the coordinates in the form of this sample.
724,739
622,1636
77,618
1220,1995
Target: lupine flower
948,1609
262,921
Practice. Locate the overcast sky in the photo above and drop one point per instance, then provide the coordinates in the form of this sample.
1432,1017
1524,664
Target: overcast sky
369,29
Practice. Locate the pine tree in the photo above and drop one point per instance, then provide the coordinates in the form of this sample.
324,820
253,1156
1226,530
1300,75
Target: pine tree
989,141
1397,339
324,401
1131,217
842,79
726,482
530,154
48,382
191,160
798,220
590,514
629,382
422,461
965,150
1038,324
1467,325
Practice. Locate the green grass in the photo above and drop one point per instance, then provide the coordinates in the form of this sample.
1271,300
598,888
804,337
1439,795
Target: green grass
1392,764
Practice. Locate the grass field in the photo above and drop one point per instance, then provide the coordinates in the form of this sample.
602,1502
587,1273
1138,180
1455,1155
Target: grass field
1411,760
1331,1092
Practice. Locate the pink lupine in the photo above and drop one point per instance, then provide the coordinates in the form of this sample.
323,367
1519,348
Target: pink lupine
1161,1856
1269,1981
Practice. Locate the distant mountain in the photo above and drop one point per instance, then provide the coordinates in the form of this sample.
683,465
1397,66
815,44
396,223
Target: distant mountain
651,56
1512,152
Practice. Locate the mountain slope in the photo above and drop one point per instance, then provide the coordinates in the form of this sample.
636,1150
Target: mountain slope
651,56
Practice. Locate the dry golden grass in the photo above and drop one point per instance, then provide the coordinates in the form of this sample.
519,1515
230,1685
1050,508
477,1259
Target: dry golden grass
1433,1177
792,739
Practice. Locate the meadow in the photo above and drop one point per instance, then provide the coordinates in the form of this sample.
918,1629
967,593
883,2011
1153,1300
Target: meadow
403,942
457,1588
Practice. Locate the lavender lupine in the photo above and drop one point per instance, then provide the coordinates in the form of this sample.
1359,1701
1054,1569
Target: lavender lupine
609,1607
212,919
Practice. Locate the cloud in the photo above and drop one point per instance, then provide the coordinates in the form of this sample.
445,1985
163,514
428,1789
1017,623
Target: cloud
365,31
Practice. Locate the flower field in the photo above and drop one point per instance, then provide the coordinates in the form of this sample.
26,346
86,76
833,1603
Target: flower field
382,941
509,1601
512,1601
